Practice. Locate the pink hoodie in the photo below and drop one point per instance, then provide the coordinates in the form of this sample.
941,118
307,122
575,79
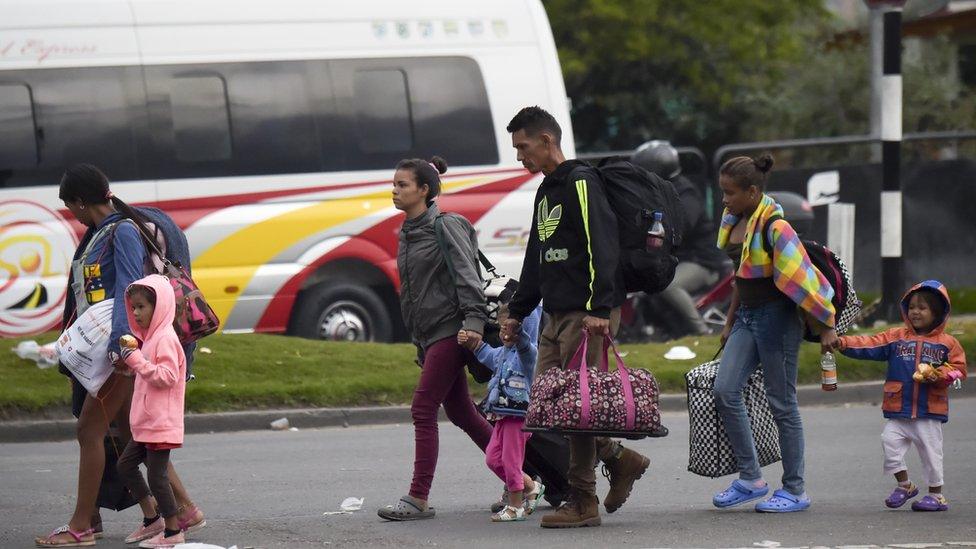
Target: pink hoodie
157,402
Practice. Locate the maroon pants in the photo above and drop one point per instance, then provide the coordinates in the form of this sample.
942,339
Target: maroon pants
442,381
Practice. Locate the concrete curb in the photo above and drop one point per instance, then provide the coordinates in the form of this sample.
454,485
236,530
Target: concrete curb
867,392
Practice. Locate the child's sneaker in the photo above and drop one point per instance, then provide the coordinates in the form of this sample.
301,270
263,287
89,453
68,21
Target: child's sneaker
931,502
160,541
533,497
901,495
509,514
146,532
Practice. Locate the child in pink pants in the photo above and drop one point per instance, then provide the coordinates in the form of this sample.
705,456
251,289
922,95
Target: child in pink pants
508,399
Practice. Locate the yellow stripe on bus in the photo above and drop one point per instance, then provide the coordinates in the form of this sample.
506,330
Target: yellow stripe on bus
232,262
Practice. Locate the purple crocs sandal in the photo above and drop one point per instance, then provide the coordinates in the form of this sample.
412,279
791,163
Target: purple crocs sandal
931,503
900,496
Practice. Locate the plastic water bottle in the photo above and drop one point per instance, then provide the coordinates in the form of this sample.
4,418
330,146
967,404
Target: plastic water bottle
655,235
828,372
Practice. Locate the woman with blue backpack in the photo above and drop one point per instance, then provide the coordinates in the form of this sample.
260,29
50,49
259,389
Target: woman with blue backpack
513,365
112,254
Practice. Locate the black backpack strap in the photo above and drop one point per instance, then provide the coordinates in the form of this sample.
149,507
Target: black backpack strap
767,245
442,244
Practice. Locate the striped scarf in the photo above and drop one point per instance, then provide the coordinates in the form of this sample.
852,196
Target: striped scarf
789,267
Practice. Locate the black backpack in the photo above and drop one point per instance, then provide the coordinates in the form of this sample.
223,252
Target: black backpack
634,195
847,306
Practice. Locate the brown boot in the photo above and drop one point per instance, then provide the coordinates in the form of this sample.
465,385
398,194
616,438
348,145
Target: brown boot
622,472
577,511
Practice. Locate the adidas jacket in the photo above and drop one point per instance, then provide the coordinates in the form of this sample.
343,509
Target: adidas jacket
572,258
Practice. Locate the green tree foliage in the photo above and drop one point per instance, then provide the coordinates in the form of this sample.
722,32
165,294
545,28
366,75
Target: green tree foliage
724,71
830,93
682,69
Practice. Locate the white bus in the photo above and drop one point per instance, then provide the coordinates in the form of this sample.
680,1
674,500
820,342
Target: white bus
269,132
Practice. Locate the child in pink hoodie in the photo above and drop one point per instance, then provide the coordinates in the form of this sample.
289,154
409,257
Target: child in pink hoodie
156,416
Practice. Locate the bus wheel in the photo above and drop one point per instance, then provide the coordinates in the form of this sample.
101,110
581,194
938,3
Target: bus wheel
342,312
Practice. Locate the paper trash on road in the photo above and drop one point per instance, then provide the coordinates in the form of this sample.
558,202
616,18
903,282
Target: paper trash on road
280,424
352,504
679,352
347,507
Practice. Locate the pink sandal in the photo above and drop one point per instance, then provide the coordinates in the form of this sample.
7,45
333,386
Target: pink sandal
85,538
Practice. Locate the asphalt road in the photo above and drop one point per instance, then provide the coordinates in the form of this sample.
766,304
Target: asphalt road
270,489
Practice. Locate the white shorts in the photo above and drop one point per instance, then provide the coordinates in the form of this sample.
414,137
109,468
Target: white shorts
899,435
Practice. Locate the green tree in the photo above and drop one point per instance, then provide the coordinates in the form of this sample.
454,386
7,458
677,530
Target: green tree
680,69
829,94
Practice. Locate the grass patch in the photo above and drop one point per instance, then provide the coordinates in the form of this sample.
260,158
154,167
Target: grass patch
245,372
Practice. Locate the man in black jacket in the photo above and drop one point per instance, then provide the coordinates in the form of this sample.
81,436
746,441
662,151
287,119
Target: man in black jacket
571,265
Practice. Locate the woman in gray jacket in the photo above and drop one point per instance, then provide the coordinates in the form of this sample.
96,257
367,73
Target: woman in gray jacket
440,293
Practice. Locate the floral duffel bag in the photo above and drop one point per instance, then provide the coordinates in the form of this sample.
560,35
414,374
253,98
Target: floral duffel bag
578,399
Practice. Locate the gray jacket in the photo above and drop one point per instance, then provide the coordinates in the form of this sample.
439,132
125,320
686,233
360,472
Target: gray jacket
435,304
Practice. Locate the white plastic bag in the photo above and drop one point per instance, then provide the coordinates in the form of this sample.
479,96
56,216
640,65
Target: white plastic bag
44,355
83,347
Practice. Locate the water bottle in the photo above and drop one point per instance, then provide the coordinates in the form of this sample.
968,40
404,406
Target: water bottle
828,372
655,235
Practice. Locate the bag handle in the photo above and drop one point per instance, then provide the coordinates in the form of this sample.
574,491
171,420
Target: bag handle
718,352
150,242
578,362
625,385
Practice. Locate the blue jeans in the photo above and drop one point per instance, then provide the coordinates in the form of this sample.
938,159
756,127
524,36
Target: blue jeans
768,334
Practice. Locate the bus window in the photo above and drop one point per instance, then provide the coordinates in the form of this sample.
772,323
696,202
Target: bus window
450,110
382,111
274,129
411,107
87,114
201,131
18,144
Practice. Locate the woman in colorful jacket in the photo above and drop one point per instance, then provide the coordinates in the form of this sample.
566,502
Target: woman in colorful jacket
764,328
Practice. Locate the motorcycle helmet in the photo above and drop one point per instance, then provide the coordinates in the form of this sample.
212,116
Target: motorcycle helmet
658,157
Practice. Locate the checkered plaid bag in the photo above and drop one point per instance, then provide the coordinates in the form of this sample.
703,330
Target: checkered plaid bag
710,452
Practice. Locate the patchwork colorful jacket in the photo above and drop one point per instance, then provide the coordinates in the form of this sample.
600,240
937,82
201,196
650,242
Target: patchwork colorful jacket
789,265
